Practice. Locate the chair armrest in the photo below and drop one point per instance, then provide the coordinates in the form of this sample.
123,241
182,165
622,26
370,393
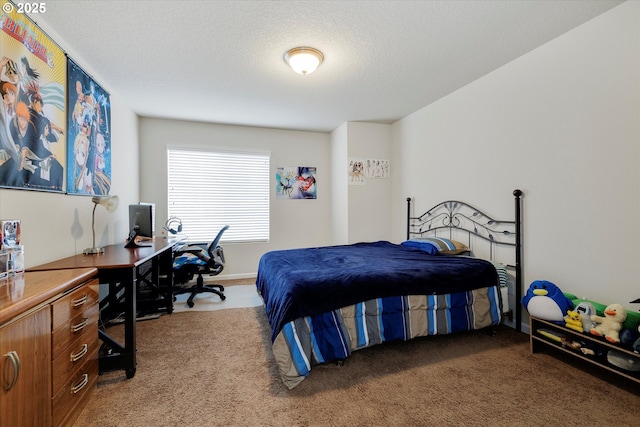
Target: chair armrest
192,248
218,255
196,249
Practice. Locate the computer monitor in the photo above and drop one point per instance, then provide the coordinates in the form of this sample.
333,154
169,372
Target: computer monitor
140,223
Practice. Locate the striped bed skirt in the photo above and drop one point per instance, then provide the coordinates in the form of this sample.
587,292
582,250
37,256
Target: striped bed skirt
332,336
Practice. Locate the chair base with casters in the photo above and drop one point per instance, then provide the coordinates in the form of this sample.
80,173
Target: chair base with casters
199,288
199,259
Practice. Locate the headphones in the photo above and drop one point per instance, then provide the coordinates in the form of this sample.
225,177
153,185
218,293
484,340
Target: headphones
173,225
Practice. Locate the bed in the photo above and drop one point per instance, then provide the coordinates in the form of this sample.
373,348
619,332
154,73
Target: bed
323,303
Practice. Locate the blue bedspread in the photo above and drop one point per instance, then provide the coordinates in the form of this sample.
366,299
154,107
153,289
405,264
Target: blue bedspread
306,282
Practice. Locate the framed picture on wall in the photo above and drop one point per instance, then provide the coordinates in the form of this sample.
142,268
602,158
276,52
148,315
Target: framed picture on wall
296,182
89,141
33,114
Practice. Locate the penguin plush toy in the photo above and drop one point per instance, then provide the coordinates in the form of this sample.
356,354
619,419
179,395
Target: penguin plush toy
545,300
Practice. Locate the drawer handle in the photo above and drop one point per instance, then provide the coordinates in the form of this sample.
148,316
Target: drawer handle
79,355
83,382
78,302
15,362
79,326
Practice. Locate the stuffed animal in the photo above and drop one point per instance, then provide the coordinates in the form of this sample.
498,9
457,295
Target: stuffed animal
591,349
609,326
628,336
575,345
586,309
545,300
573,321
587,351
636,345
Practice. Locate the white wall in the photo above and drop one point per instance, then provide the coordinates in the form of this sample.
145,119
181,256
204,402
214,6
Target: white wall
56,225
360,212
562,123
369,213
340,184
294,223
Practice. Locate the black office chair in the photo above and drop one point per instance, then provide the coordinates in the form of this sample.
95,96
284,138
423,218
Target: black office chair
198,258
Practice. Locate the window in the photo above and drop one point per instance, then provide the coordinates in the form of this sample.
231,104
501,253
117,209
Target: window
209,189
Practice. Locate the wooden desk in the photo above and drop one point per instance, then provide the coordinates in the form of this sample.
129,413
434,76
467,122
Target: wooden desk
123,269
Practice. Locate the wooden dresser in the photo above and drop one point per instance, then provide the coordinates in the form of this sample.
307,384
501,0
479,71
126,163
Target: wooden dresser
49,346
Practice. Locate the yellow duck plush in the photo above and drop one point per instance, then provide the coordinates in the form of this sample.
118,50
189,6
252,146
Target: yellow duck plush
609,326
573,320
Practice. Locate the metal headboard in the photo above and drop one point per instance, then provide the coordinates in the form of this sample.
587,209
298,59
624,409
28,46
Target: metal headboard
454,215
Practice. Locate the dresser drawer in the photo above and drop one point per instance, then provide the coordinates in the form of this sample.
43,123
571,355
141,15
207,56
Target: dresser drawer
74,303
84,326
75,355
75,391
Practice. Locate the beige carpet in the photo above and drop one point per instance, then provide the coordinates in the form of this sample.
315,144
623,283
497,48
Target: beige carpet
215,368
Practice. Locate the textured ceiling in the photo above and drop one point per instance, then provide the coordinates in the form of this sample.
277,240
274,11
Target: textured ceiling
222,61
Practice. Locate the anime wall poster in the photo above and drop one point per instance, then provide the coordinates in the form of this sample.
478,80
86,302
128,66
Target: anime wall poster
89,141
32,115
376,168
296,182
356,171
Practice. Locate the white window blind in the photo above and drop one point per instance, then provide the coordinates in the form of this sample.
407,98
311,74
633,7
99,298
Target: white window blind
209,189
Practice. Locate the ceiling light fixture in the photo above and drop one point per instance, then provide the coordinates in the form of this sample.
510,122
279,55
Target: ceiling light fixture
304,60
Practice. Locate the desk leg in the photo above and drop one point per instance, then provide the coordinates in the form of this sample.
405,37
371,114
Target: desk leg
122,357
165,272
130,326
123,290
156,277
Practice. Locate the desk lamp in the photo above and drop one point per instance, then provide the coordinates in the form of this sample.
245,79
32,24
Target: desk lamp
111,204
